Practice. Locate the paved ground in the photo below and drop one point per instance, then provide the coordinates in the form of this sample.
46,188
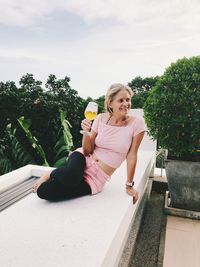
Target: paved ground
150,242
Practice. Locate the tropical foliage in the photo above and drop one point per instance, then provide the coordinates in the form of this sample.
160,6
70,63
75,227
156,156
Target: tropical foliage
32,127
13,154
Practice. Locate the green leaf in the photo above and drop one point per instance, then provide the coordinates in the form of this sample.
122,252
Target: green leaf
61,162
25,124
66,131
62,150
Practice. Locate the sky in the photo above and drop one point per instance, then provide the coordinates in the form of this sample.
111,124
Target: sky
95,42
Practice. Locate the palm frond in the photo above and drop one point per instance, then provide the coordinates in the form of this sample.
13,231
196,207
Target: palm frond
65,142
66,130
20,157
5,164
25,124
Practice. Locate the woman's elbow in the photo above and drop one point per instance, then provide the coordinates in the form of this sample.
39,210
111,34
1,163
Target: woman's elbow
132,157
87,151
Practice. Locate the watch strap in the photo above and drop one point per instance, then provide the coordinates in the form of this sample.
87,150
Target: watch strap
130,183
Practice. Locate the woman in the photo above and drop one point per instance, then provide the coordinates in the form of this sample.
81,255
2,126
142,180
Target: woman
113,137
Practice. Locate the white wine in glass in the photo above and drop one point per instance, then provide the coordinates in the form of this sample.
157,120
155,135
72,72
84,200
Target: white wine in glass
90,112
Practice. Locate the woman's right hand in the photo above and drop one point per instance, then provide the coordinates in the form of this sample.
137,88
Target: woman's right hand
133,193
86,125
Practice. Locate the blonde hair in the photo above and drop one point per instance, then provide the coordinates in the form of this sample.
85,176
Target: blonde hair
113,90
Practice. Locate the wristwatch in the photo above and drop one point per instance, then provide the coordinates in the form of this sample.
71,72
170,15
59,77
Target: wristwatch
130,183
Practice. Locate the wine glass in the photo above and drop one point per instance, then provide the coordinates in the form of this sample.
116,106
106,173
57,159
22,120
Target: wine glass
90,112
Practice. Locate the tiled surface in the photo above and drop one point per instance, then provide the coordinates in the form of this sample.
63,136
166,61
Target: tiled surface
182,245
147,246
160,175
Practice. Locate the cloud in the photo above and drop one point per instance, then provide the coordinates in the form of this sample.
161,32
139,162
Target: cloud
23,13
121,39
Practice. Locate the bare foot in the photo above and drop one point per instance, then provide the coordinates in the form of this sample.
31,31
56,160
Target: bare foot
41,180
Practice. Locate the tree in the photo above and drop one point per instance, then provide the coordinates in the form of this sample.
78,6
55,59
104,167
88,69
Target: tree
10,104
42,106
141,88
29,83
100,102
172,109
57,86
68,100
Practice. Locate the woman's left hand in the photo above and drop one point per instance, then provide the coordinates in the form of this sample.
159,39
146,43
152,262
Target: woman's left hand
133,193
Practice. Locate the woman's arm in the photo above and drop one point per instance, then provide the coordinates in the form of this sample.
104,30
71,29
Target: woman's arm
88,141
131,164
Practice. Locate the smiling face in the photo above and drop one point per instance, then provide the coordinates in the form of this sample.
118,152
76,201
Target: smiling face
121,103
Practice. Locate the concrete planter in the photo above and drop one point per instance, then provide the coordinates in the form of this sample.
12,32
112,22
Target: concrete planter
184,184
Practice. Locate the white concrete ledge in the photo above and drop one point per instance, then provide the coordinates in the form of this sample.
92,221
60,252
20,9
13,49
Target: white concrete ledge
17,176
89,231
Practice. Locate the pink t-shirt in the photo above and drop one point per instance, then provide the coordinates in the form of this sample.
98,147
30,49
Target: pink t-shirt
113,142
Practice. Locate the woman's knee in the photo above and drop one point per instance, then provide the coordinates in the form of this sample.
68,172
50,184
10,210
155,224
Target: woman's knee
74,168
76,162
72,174
51,190
42,191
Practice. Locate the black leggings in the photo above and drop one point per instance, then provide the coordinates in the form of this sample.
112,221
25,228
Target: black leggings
66,182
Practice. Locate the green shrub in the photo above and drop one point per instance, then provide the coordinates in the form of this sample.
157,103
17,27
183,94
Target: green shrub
172,110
